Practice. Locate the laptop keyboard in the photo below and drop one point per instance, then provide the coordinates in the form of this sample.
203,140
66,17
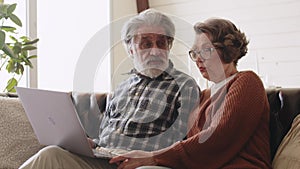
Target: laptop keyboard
107,152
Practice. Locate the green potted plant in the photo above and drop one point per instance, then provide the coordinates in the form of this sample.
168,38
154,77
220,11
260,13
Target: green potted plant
14,48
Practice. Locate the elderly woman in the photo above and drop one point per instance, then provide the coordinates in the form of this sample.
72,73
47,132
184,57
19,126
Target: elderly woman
230,128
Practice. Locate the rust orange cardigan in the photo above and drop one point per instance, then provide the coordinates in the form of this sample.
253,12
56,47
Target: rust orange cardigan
228,130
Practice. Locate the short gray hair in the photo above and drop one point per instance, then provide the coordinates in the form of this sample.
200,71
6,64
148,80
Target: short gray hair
149,17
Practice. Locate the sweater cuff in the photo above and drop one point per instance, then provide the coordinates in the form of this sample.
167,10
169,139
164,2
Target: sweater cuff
171,157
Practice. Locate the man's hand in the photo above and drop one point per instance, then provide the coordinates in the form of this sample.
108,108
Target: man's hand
134,159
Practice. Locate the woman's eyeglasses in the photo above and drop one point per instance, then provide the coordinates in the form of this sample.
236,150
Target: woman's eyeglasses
203,54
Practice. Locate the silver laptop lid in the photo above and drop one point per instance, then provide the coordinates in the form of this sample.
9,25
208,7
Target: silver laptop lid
54,119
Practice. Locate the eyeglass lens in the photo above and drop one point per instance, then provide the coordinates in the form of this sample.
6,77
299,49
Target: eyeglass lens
203,54
146,41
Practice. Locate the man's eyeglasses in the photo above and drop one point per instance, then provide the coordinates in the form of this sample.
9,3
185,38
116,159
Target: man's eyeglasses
203,54
147,41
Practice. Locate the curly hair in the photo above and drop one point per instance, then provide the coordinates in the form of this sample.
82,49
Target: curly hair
225,36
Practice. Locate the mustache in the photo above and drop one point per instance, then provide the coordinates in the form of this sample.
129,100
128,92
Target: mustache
153,58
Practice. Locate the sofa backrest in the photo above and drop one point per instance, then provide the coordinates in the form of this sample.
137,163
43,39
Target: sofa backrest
90,108
284,107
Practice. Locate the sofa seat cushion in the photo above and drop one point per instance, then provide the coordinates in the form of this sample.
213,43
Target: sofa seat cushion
18,141
287,155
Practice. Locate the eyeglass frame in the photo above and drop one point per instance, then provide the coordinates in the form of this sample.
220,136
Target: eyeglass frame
200,54
167,40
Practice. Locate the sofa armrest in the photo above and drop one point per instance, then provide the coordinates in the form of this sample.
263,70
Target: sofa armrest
18,141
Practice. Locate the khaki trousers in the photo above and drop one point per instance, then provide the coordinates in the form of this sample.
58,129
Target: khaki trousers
287,154
54,157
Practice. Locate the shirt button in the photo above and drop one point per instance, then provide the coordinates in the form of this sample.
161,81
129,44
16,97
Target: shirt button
136,93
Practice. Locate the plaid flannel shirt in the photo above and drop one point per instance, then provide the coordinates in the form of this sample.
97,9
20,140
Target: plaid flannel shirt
149,113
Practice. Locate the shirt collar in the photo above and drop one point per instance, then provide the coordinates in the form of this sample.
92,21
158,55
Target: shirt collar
215,87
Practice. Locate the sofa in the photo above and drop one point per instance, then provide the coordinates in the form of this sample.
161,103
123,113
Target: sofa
18,141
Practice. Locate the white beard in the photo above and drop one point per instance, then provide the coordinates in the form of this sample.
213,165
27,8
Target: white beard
152,67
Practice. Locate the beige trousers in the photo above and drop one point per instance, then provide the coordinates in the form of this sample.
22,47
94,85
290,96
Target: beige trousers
287,154
54,157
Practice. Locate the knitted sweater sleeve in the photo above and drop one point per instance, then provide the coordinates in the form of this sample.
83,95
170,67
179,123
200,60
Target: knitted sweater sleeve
230,121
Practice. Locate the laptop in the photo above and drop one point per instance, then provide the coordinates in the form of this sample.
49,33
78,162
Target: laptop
55,121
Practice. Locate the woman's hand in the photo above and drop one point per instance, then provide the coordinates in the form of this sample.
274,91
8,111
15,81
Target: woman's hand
134,159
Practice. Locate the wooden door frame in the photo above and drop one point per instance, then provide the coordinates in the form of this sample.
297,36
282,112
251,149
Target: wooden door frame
142,5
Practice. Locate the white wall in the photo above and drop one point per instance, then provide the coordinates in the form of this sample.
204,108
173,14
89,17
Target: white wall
121,11
65,28
273,27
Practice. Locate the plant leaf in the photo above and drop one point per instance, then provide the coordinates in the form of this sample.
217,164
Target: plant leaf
8,28
3,10
29,48
11,83
17,49
31,42
2,39
13,38
15,19
24,53
11,8
27,62
8,51
32,57
10,67
20,69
